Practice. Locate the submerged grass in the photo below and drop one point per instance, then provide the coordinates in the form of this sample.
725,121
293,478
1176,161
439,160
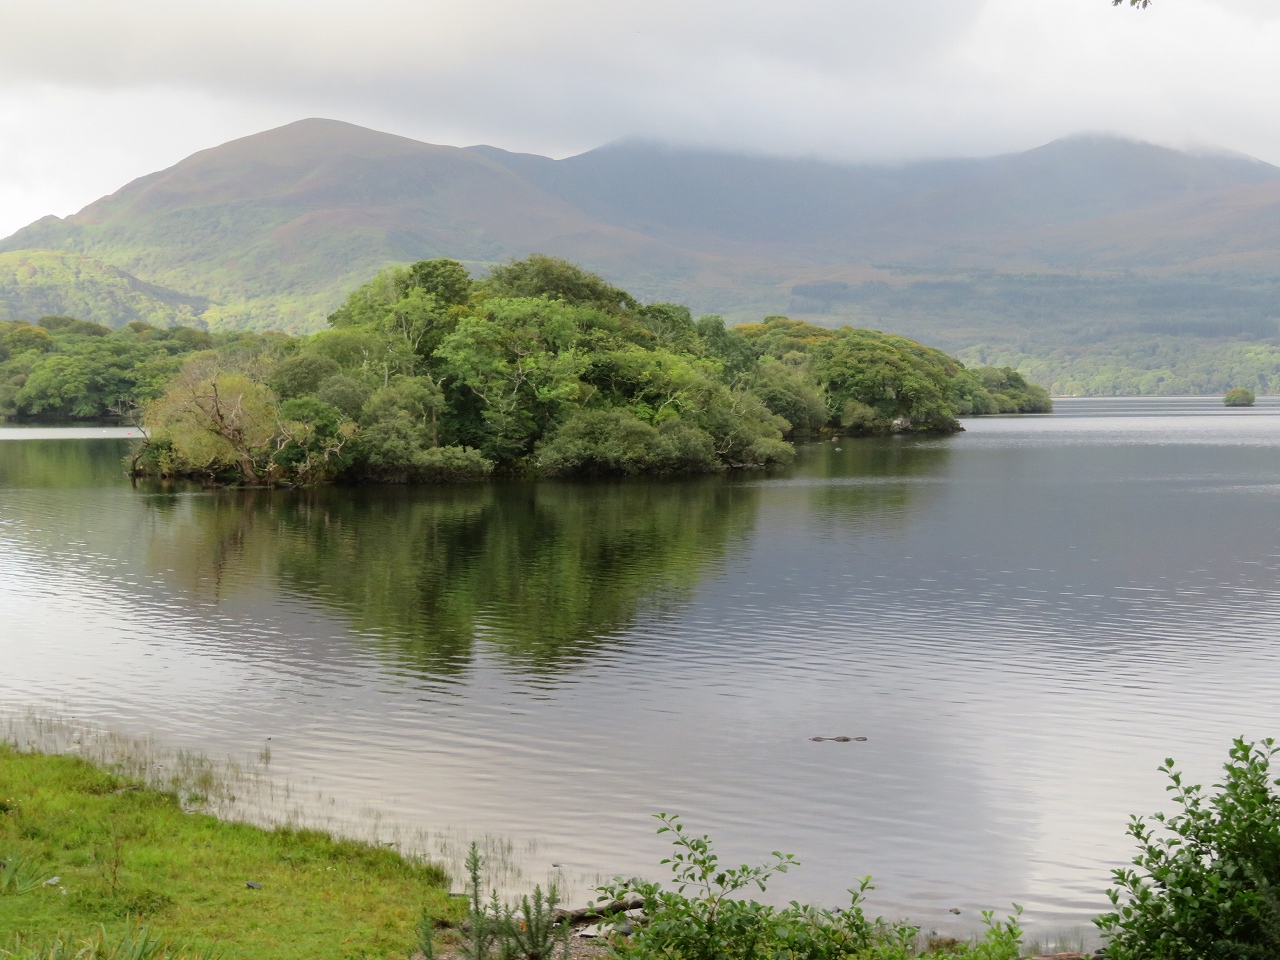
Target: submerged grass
102,851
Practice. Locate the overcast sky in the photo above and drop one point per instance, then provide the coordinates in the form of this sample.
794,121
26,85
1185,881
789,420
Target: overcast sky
96,92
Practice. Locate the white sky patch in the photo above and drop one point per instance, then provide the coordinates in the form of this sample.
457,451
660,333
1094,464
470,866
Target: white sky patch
96,92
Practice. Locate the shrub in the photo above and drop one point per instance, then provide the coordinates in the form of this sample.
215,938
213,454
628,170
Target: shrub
768,452
1239,397
1208,883
705,918
213,423
532,931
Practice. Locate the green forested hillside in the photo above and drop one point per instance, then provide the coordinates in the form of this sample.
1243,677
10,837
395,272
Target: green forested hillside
62,368
37,283
1163,366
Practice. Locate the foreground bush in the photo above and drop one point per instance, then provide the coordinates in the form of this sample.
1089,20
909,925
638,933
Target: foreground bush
1207,883
704,917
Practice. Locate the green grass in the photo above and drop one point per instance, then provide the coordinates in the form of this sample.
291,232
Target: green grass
127,854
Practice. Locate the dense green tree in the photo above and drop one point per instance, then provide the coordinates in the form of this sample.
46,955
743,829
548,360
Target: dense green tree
556,279
302,375
615,442
788,392
345,393
95,378
21,338
670,324
446,280
873,382
409,314
311,439
734,351
71,325
519,361
1011,392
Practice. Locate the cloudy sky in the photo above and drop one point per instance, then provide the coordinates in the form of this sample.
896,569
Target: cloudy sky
96,92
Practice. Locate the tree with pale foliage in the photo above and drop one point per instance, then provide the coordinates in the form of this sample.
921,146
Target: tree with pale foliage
217,419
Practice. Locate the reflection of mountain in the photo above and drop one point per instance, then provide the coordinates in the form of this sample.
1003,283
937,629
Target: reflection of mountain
544,572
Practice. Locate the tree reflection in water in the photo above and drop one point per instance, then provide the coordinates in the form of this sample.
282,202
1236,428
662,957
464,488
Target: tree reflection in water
545,573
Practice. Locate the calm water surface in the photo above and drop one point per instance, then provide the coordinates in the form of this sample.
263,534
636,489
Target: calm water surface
1023,619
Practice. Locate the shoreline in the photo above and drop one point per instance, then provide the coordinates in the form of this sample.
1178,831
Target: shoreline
128,773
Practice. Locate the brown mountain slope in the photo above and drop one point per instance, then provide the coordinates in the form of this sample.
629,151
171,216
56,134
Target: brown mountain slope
1081,240
1236,231
275,227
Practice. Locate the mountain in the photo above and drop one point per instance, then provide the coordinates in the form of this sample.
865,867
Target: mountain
274,228
1089,243
831,211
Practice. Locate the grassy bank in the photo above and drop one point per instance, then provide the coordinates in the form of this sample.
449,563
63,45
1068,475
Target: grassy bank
122,850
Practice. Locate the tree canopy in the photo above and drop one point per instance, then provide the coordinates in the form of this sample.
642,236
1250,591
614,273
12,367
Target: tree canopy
542,367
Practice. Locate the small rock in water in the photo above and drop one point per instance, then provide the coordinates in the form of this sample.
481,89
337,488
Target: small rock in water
253,884
956,911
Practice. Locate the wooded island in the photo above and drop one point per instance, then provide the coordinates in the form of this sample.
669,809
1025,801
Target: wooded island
426,374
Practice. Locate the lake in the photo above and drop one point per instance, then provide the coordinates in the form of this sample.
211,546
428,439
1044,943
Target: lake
1023,620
